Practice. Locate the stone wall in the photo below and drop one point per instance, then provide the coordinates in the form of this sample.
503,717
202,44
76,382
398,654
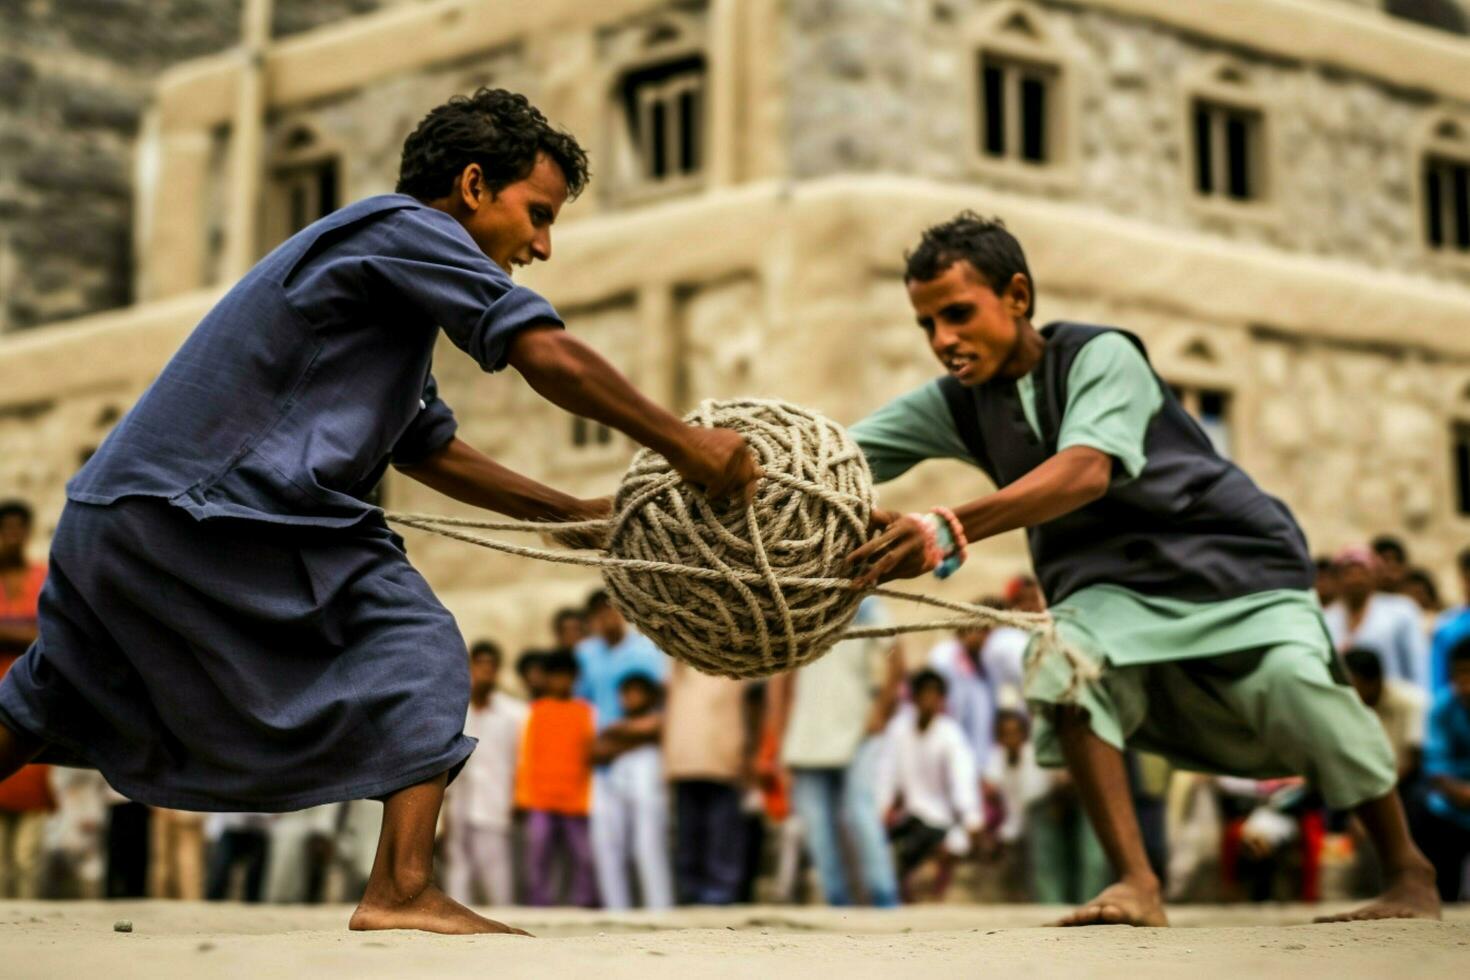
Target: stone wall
74,79
876,86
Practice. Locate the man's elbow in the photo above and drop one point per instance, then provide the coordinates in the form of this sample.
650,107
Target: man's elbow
1095,476
545,354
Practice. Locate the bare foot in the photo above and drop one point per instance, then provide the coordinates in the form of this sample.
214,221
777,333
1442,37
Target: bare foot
430,911
1124,904
1410,895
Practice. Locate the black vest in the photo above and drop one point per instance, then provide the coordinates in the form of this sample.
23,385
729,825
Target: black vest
1192,525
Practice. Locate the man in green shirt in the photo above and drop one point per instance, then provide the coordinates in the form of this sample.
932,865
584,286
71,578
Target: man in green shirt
1182,590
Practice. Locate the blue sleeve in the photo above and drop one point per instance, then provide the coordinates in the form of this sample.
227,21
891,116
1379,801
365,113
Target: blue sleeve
429,262
430,430
1438,750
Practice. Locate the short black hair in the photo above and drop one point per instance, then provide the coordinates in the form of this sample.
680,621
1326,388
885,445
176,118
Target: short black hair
1364,664
1386,544
17,508
1011,714
501,131
983,242
1422,576
638,678
1464,560
560,662
597,601
921,679
563,614
528,660
1324,564
486,648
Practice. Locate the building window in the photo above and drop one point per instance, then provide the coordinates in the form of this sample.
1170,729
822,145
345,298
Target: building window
1016,109
1447,203
1460,441
587,433
1444,15
1211,409
1228,151
664,118
304,193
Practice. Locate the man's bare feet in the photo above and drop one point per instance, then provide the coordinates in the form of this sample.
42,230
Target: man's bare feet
1410,895
1128,903
430,911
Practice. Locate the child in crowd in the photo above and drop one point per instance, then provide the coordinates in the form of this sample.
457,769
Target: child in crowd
1445,826
634,797
930,766
1016,782
531,669
557,762
479,803
1398,705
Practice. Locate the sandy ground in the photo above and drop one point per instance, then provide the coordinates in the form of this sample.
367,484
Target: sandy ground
172,939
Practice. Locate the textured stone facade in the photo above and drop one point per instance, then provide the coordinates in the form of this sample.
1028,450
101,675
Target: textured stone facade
75,77
836,130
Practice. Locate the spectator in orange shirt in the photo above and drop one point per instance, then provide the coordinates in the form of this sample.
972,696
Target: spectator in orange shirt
557,756
25,798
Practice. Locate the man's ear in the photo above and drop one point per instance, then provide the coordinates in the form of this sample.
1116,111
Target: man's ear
1018,295
471,186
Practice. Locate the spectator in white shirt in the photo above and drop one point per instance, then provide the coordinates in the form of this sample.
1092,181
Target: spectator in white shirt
1014,776
478,804
931,769
1389,625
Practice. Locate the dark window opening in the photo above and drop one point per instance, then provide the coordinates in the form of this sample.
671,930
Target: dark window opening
1447,203
1210,407
1227,151
663,109
1461,441
1016,109
308,192
585,433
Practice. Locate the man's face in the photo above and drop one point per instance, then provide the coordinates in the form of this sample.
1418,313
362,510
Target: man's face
1355,581
1369,690
15,533
972,331
973,639
929,700
570,630
513,225
559,684
484,669
1391,569
1028,599
634,699
608,623
1011,734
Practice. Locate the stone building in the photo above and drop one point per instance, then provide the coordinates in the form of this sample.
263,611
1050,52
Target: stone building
1275,195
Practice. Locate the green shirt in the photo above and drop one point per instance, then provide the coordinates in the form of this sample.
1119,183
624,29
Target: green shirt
1112,396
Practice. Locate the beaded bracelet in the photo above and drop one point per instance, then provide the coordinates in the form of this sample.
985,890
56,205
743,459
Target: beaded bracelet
958,550
933,551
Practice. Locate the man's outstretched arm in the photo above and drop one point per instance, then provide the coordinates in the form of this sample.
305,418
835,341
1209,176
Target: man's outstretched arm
574,377
1070,480
462,472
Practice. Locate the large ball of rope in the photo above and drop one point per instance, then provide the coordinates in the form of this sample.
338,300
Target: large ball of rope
761,591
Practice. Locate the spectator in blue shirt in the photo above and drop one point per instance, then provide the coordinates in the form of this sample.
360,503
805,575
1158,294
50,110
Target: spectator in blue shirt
1445,831
1452,627
624,805
228,624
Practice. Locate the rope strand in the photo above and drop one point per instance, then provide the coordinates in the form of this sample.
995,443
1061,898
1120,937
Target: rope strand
748,592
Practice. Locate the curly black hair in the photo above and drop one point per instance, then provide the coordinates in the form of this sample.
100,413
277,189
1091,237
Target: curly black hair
501,131
983,242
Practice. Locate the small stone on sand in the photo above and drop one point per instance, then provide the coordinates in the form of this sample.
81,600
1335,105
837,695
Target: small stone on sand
122,925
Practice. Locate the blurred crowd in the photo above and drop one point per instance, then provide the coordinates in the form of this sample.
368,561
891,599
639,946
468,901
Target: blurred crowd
608,775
